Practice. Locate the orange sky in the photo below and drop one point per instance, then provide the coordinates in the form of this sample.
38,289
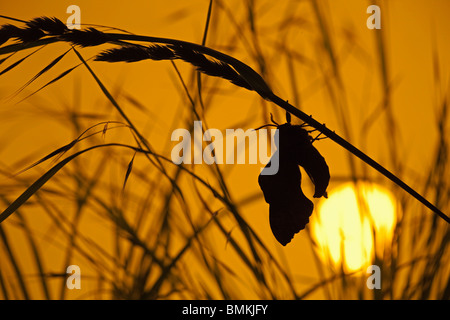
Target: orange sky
412,31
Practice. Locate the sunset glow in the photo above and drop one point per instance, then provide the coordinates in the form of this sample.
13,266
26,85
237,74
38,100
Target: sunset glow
344,225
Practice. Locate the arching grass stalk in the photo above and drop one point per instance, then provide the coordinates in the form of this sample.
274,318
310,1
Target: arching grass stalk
261,87
188,52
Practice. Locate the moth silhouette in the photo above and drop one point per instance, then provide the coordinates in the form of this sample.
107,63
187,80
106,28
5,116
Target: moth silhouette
289,208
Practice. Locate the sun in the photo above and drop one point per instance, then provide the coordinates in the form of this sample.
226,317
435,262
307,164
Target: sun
355,223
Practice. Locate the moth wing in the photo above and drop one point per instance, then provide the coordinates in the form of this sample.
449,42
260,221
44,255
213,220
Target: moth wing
317,169
285,183
288,218
289,208
307,156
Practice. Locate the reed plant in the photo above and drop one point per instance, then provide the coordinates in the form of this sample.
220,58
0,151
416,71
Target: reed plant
179,231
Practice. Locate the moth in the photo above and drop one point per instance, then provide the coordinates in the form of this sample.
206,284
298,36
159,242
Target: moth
289,208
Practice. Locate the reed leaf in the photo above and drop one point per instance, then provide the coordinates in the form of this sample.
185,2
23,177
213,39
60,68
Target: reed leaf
62,75
40,73
15,64
129,168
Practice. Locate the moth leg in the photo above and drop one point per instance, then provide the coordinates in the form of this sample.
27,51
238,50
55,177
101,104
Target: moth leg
303,125
318,138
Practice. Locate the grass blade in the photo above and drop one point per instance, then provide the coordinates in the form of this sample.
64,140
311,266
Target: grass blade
62,75
4,59
15,64
127,175
13,260
47,68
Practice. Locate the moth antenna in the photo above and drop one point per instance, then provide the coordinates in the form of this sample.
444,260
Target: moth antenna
266,125
271,118
318,138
